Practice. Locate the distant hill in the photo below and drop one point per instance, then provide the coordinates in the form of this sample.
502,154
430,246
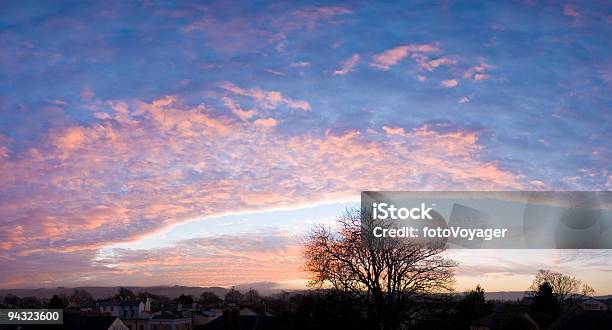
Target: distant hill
505,295
106,292
265,288
517,295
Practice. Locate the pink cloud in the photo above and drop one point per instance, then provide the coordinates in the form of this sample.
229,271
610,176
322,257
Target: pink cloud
4,150
238,33
153,165
225,260
429,65
348,65
481,76
449,83
269,99
235,108
478,72
394,130
70,139
387,59
266,123
304,19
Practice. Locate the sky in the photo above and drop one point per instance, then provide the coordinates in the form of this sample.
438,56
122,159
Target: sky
195,143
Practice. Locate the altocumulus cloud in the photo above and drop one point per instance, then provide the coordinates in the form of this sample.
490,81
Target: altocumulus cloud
148,165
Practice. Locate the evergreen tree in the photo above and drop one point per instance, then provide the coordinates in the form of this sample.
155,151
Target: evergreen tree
545,300
472,307
56,302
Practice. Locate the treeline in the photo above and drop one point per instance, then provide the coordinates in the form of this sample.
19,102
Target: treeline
551,294
81,299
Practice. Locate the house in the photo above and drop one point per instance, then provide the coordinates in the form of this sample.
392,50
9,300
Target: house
592,304
191,307
244,319
501,316
94,322
585,320
125,309
205,317
539,320
136,323
170,321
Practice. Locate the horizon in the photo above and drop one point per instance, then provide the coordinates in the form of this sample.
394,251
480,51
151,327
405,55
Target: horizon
152,142
497,295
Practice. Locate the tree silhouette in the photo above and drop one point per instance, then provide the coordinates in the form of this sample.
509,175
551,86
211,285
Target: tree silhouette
11,299
545,300
567,290
472,307
29,302
209,299
185,300
327,310
233,296
125,293
252,297
57,303
390,282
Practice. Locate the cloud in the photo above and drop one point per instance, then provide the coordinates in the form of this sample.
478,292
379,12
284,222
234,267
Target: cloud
449,83
4,150
394,130
87,162
153,165
478,72
235,108
348,65
70,139
384,61
301,64
569,10
313,14
269,99
305,19
225,260
464,99
268,122
429,65
233,34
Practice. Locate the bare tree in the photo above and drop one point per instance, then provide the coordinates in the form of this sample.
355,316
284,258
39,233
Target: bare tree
392,282
567,289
